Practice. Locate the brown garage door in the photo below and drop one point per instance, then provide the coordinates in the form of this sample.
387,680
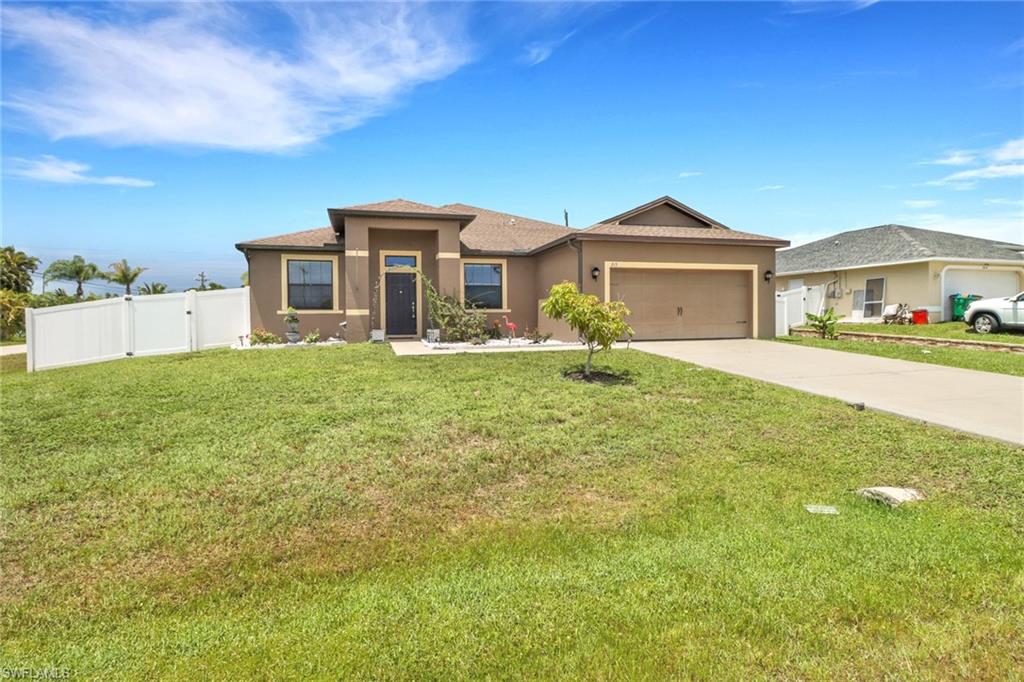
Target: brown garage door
685,304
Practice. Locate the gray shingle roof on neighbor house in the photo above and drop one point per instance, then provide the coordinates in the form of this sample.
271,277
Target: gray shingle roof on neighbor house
889,244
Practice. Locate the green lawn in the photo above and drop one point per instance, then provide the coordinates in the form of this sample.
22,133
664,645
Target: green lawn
15,341
967,358
941,330
339,512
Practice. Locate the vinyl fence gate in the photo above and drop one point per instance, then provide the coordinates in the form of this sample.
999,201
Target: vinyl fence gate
792,305
94,331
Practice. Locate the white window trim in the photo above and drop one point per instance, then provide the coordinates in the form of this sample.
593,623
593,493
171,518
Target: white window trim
503,262
880,301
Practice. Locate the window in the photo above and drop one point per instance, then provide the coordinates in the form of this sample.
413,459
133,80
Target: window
310,284
483,285
874,297
399,261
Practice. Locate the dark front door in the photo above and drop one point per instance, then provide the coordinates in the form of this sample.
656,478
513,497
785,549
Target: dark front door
400,306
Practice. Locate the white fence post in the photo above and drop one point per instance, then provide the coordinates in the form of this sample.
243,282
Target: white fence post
190,319
30,337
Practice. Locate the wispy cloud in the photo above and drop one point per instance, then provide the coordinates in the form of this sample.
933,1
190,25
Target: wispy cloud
1011,151
769,188
196,75
957,157
920,203
1001,227
968,179
1003,162
690,174
51,169
539,52
837,6
999,201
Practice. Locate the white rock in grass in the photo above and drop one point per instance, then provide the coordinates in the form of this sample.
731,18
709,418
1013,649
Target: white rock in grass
821,509
893,497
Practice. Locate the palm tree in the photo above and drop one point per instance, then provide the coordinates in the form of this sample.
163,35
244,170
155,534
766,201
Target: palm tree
75,270
16,268
122,273
150,288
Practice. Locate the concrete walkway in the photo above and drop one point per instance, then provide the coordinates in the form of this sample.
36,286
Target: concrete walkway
983,403
13,350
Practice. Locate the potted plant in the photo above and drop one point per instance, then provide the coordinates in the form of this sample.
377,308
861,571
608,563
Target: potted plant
291,320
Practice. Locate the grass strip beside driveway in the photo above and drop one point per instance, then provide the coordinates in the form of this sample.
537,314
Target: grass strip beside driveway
957,331
965,358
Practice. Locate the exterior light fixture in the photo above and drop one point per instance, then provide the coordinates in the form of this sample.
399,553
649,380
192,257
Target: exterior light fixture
768,275
595,272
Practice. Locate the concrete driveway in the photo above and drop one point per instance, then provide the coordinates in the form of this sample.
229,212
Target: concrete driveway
983,403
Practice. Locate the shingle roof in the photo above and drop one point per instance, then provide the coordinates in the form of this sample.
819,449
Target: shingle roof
402,206
493,231
889,244
670,232
317,237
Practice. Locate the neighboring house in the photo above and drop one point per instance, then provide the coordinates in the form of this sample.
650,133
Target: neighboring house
681,273
864,270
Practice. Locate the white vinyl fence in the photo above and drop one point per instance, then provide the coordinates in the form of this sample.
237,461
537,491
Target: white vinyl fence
790,307
81,333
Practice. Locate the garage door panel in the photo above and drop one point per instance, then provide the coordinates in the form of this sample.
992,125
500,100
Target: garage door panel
984,283
685,304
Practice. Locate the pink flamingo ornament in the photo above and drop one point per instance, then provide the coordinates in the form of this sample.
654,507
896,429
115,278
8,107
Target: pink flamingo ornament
511,326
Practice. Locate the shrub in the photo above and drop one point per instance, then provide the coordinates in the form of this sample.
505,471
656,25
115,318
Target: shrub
456,322
598,324
535,336
261,337
824,324
13,304
312,337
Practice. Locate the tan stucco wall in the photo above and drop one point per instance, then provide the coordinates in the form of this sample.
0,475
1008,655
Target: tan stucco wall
265,295
903,284
364,238
400,240
663,215
554,266
916,284
528,277
596,253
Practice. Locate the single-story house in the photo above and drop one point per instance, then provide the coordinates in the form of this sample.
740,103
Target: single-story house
864,270
683,274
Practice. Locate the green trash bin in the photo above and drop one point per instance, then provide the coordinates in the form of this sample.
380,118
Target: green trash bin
958,304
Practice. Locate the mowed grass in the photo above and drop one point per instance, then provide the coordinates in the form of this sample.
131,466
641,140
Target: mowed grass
341,512
965,358
940,330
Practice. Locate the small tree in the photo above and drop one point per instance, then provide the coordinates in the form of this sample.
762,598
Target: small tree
151,288
598,324
122,273
75,270
16,269
824,324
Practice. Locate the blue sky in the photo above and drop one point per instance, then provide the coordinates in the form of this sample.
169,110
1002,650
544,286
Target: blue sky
166,133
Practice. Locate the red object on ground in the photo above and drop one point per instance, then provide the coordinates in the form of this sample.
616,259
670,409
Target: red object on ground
920,316
511,325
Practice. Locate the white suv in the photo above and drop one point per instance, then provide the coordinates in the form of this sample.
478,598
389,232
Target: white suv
989,314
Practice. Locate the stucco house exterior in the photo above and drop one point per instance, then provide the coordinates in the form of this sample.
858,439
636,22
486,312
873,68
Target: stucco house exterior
864,270
683,274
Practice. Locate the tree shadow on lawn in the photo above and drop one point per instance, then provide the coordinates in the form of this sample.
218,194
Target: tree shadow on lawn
620,378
